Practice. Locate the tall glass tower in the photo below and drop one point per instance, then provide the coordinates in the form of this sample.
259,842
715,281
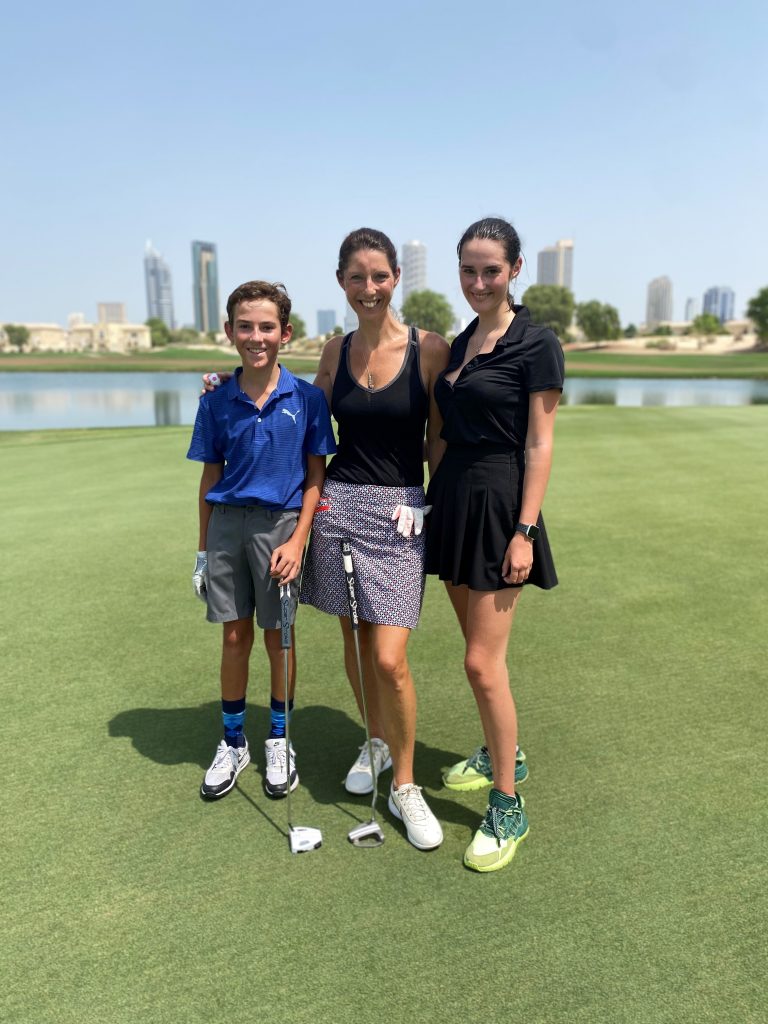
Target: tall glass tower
205,286
414,262
157,279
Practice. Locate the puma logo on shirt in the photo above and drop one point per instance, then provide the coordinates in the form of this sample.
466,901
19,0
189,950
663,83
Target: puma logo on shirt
293,415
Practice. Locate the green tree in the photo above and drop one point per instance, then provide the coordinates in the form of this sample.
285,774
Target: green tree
299,327
338,329
757,311
598,320
428,310
17,334
186,336
550,305
706,324
630,331
159,331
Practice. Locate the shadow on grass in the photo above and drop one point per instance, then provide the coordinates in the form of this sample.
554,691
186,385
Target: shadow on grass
326,741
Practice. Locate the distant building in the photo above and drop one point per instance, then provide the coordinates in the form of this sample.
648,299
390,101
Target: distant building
157,280
75,319
692,309
111,313
554,264
105,336
205,286
414,266
109,336
719,301
658,305
326,320
350,319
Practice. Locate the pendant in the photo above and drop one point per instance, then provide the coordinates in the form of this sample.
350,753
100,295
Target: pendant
370,381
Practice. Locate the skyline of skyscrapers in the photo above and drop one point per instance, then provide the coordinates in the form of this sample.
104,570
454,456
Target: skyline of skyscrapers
159,287
692,308
719,300
326,320
554,264
205,287
413,260
658,304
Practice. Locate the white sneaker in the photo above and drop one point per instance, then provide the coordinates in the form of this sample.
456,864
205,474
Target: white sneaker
274,755
359,778
423,828
225,767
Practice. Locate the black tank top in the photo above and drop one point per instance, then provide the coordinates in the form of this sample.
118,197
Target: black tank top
381,431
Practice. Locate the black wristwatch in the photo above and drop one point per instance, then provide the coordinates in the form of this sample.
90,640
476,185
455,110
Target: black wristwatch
531,532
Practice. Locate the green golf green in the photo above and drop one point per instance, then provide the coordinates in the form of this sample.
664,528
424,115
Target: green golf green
639,896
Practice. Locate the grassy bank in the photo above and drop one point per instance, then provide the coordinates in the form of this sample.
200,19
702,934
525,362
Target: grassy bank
169,359
639,897
579,363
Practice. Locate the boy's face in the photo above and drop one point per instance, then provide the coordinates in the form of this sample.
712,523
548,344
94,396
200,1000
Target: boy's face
256,333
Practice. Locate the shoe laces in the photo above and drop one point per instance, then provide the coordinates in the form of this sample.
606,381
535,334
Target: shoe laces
412,803
363,758
276,756
480,761
223,756
500,824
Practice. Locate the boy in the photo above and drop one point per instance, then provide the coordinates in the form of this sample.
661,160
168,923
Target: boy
263,438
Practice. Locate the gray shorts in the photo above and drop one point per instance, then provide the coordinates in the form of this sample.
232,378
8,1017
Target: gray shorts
240,545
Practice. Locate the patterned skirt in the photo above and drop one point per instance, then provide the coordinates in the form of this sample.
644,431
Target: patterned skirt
389,569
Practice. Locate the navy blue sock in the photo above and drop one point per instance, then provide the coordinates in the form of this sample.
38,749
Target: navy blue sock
233,714
277,717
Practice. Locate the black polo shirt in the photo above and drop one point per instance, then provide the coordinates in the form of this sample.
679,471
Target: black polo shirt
488,403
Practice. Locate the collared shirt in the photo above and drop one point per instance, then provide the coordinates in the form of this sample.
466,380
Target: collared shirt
264,450
488,402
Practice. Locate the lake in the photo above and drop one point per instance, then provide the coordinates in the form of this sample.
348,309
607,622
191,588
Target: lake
47,401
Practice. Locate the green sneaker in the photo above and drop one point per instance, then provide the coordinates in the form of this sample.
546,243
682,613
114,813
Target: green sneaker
495,842
475,772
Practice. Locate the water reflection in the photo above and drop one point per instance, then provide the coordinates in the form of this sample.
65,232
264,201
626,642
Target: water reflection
35,401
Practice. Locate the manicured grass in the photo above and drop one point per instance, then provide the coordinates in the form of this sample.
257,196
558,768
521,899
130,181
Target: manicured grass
593,363
639,896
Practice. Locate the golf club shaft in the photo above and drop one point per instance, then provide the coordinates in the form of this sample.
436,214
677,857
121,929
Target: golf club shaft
285,643
349,572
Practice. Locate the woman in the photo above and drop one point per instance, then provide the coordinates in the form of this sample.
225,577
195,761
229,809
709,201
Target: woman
486,539
379,382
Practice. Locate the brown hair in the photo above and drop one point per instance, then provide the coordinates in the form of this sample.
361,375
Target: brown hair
253,290
366,238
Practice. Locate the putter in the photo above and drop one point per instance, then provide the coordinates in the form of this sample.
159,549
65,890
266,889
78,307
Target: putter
301,838
369,833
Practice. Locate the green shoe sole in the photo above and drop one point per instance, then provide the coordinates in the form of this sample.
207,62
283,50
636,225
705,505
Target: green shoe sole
467,781
494,861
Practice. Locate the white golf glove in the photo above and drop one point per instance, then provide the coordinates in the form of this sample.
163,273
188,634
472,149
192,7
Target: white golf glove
410,519
200,575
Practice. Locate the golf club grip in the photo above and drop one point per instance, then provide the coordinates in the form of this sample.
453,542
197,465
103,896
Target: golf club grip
346,555
285,616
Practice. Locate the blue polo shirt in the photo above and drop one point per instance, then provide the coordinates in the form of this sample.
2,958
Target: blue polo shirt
265,450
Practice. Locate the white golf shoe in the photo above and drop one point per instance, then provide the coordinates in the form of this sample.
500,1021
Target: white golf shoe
422,827
274,755
359,778
224,770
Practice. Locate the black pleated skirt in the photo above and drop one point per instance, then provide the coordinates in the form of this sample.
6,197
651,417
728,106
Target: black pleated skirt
475,496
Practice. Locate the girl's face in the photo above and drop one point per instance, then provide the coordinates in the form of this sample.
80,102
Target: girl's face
486,275
368,283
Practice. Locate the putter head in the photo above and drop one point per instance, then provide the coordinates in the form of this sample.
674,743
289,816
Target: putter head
367,834
302,839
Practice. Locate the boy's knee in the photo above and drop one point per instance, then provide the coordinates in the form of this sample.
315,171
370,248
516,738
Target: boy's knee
238,636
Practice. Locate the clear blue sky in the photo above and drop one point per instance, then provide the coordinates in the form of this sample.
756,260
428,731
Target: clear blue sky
640,132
